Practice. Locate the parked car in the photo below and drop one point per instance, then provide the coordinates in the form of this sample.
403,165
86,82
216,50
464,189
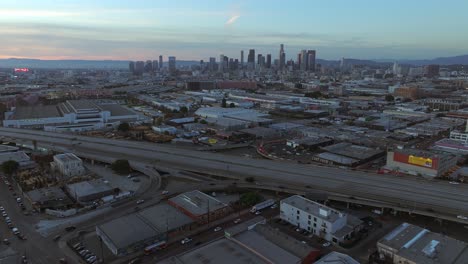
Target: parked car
218,228
185,241
238,220
70,228
326,244
2,209
6,241
462,217
4,214
455,183
15,231
165,192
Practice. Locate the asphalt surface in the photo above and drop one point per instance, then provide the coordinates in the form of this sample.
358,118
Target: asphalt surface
36,249
437,196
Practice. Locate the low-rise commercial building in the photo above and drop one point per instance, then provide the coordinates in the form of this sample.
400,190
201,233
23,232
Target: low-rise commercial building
48,198
419,162
68,164
336,258
413,244
87,191
320,220
199,206
136,231
21,157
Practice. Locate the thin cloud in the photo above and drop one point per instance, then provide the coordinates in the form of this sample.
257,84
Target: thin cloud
232,20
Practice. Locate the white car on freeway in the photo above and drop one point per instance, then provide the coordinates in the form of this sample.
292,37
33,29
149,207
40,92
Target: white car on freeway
462,217
185,241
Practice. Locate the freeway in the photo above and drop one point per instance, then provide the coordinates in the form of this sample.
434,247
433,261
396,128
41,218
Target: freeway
434,196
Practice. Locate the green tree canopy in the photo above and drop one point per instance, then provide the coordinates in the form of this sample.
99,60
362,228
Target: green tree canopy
9,167
124,127
223,103
250,198
389,98
121,167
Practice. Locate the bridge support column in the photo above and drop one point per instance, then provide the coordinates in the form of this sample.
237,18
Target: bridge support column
347,205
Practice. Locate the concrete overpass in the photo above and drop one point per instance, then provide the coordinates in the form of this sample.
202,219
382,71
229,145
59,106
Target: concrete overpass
409,193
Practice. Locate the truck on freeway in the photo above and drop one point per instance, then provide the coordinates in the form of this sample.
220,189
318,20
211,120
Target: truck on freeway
262,205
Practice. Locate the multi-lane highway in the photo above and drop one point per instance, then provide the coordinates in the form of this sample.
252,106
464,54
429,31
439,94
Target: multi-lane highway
440,197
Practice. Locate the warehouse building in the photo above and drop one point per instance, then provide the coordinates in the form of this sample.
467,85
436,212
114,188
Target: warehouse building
320,220
72,115
413,244
336,258
48,198
21,157
87,191
134,232
250,242
347,154
199,206
418,162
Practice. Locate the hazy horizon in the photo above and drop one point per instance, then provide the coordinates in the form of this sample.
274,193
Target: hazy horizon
194,30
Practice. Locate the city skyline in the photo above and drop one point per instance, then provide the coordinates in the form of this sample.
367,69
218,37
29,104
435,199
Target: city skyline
137,30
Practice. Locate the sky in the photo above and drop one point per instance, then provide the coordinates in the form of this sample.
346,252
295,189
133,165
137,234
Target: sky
199,29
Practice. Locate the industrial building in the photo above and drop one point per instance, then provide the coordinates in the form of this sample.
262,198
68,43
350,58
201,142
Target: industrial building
68,164
250,242
320,220
420,162
253,117
413,244
347,154
21,157
336,258
72,115
138,230
48,198
199,206
87,191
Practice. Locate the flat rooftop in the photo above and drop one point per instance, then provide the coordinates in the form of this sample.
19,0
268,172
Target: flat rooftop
353,151
67,157
127,230
197,203
423,246
336,258
116,109
85,188
19,156
36,111
165,217
219,251
313,208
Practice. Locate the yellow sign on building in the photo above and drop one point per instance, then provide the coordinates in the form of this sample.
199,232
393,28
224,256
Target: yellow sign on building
421,161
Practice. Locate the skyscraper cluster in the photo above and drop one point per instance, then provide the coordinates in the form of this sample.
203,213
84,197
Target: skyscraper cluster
151,66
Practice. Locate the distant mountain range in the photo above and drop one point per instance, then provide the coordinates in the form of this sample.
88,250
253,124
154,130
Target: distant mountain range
120,64
462,59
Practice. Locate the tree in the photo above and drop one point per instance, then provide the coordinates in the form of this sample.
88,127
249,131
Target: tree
184,110
9,167
223,103
250,179
203,121
159,121
121,167
389,98
315,94
123,127
250,198
232,105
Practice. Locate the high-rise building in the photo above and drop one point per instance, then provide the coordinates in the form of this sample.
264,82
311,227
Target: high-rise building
432,70
148,66
160,62
221,63
155,66
131,67
304,60
298,61
242,58
282,57
172,64
268,61
139,67
261,61
212,64
251,59
259,57
311,60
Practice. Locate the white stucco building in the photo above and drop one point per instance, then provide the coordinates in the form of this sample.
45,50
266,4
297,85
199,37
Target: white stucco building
68,164
320,220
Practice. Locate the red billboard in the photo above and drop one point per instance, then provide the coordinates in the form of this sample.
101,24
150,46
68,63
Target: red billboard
21,70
